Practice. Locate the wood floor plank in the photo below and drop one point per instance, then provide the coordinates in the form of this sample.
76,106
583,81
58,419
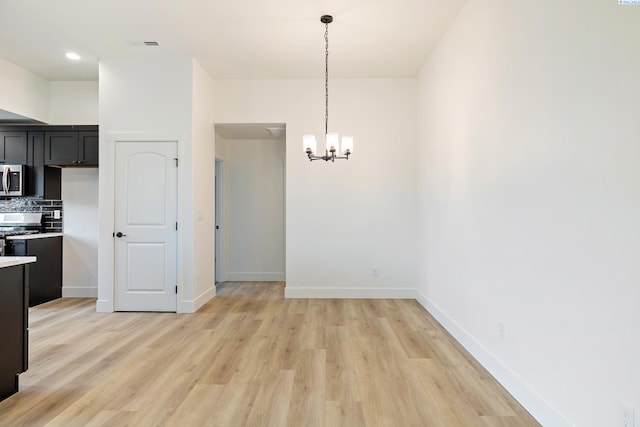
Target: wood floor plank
307,406
197,407
250,357
108,419
342,383
272,403
344,414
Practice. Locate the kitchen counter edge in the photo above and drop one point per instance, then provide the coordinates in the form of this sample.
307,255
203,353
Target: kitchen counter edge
34,236
11,261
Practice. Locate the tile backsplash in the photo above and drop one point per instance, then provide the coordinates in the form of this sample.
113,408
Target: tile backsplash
47,207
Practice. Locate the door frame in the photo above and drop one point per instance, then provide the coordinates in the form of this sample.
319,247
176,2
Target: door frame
219,234
106,190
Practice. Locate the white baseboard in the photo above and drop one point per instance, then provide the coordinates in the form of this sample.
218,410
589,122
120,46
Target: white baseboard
104,306
80,292
350,293
532,401
235,276
191,306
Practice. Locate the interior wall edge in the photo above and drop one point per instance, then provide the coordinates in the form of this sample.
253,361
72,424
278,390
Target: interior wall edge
540,409
191,306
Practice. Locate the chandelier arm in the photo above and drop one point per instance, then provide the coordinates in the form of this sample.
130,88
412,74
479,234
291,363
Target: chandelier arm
327,157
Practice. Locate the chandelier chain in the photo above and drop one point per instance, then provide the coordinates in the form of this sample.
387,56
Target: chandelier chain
326,79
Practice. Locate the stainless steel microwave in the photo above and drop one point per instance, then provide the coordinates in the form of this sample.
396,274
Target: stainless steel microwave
12,180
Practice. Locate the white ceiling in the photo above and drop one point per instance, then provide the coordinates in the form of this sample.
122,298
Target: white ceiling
230,38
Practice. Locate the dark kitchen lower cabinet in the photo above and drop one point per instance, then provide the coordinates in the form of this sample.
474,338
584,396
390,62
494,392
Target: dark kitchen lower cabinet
45,275
14,333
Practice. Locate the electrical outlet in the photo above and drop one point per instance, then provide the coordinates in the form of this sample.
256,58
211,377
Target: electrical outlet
627,416
375,272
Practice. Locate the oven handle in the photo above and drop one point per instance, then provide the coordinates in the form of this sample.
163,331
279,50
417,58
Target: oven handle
5,179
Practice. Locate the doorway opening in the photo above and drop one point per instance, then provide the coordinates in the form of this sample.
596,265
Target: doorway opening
250,202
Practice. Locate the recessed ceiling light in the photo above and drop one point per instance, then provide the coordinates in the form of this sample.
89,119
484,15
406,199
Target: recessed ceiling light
73,56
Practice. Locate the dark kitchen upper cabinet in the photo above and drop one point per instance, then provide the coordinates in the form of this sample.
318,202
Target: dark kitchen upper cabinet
61,148
13,148
43,181
44,150
71,148
88,148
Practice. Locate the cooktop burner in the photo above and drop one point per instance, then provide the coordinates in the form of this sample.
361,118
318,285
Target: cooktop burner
17,232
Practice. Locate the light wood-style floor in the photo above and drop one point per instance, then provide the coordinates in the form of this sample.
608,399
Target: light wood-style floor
252,358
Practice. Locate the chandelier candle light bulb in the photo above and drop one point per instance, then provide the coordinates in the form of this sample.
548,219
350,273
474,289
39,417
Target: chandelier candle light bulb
346,147
332,142
309,144
333,149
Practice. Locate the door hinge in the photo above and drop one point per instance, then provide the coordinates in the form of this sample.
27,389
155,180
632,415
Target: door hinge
176,159
176,289
176,225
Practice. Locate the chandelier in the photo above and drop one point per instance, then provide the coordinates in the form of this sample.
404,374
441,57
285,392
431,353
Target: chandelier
333,150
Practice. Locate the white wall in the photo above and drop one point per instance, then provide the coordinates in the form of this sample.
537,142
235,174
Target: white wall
143,97
23,92
203,179
76,103
346,218
73,102
529,196
80,246
254,210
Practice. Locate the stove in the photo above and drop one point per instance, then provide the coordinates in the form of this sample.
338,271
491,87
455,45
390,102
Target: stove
18,224
8,233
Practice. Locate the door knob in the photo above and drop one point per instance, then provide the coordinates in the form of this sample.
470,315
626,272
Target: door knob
119,234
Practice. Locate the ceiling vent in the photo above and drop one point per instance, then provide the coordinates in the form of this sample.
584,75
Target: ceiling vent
276,132
151,44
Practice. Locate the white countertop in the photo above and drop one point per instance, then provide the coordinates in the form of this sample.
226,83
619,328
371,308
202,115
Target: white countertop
10,261
34,236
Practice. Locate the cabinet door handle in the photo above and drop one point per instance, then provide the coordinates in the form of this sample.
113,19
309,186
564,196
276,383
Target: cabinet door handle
5,179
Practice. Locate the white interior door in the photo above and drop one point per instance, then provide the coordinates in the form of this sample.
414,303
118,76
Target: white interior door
146,190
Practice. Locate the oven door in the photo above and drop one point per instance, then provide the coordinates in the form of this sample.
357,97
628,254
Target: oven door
12,180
